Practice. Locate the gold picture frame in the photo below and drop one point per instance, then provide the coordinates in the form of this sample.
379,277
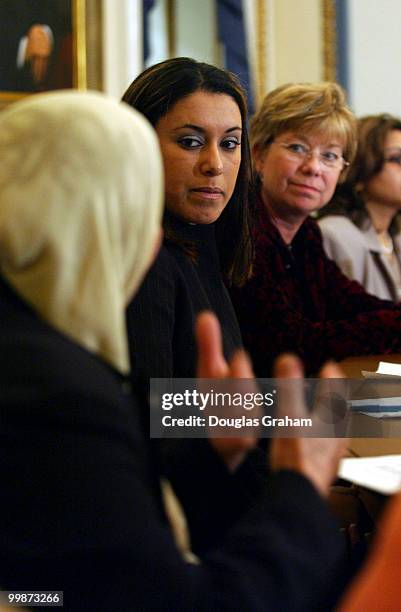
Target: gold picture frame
83,50
329,32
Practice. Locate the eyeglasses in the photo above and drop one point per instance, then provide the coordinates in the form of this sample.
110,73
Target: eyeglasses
328,159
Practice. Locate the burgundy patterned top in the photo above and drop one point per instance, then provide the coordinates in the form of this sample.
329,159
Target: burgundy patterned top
298,300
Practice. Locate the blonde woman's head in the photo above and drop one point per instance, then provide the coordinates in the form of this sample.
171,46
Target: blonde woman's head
307,108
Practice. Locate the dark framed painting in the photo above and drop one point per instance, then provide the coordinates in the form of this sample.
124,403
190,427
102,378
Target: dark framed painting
45,46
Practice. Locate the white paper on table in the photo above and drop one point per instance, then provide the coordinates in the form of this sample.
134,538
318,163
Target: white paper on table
385,369
381,474
378,407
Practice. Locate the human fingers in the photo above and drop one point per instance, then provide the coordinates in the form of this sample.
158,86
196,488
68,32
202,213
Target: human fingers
211,361
240,365
331,369
288,366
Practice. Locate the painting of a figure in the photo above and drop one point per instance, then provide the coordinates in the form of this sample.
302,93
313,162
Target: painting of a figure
36,45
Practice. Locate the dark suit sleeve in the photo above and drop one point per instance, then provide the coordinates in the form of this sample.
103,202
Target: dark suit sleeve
213,498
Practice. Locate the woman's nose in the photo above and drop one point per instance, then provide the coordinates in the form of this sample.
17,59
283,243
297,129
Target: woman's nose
211,162
312,163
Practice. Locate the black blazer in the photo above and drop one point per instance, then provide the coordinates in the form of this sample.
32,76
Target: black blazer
79,508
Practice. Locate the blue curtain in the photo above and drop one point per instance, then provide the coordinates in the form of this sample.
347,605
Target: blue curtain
231,33
342,43
146,6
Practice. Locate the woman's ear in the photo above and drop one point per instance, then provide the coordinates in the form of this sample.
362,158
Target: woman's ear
258,155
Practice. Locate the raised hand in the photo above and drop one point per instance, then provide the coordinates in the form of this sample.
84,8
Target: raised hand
212,364
316,458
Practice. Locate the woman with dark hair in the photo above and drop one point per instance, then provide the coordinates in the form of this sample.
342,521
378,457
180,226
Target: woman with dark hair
199,113
361,224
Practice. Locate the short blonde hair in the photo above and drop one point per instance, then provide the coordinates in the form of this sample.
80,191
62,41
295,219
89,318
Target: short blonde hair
308,107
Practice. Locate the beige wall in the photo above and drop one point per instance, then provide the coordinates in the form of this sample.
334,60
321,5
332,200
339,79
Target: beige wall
374,43
298,40
289,36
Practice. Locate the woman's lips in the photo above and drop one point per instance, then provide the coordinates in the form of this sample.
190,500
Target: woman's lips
208,193
305,187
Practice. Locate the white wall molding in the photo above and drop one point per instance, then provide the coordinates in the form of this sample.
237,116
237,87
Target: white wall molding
122,44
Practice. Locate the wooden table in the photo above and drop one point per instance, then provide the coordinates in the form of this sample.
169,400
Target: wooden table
353,366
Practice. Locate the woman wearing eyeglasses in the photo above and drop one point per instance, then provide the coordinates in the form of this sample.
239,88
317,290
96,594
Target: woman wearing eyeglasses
361,226
303,138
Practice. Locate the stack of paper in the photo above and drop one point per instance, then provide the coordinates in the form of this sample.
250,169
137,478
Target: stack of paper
385,369
381,474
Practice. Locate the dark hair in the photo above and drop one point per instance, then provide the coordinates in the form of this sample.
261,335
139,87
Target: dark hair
154,93
348,198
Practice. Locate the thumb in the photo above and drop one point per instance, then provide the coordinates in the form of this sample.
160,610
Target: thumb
211,362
